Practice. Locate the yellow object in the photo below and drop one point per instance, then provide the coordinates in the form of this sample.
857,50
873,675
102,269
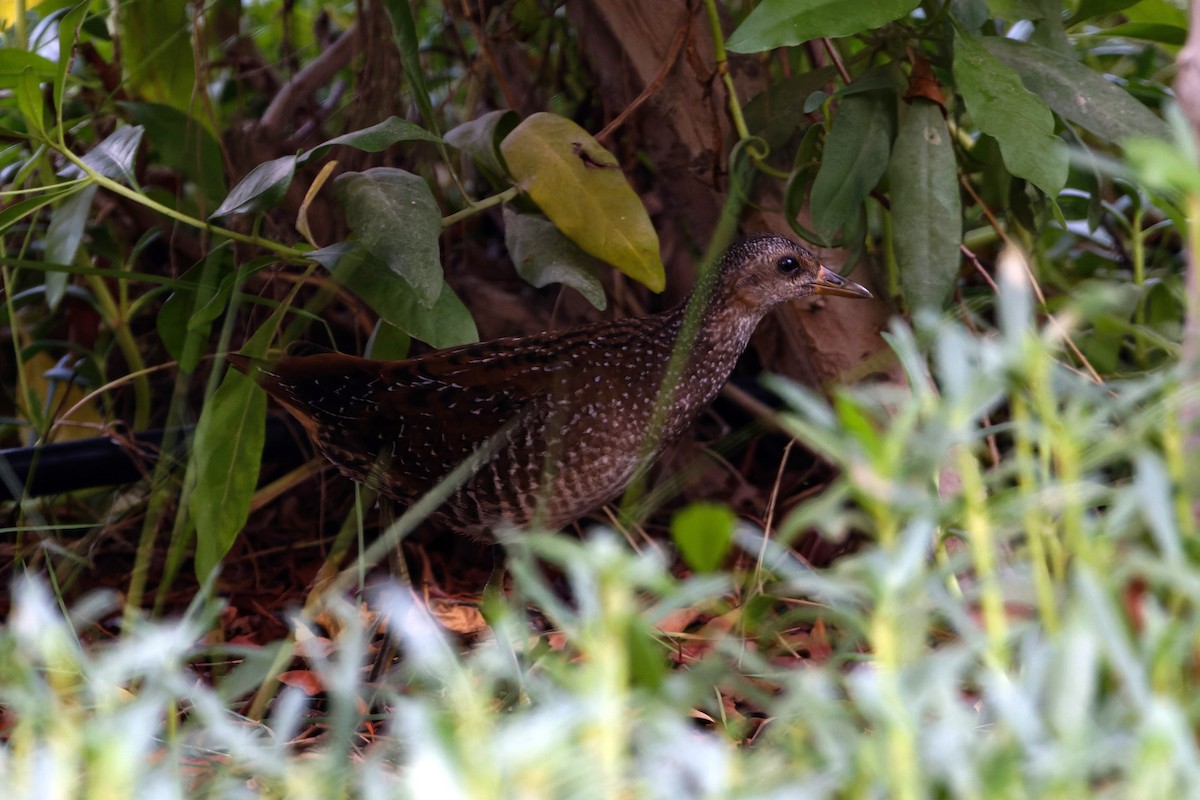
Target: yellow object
86,419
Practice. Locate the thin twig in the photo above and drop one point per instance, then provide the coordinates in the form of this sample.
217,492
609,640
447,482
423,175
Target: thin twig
654,85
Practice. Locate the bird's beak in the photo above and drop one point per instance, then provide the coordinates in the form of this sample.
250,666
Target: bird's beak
829,282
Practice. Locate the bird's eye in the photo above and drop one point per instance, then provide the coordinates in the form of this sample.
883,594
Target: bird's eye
788,265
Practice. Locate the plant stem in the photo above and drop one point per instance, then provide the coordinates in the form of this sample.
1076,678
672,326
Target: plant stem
475,208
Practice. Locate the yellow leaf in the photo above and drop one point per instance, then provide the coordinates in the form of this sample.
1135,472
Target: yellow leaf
84,423
580,187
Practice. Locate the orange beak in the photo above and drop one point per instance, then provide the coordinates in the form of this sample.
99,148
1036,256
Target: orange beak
829,282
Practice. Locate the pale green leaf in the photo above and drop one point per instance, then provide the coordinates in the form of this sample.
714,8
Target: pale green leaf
114,157
1017,118
1078,93
542,255
397,220
446,324
156,51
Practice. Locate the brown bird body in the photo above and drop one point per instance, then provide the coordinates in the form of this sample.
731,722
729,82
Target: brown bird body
558,422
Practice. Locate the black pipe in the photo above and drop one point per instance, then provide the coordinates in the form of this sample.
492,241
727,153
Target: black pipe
110,461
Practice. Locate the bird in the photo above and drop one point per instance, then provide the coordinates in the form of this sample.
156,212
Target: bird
554,424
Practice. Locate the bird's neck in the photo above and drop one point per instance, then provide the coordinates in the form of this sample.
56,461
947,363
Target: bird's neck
721,335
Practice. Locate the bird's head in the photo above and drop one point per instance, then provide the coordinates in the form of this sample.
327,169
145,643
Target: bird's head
762,270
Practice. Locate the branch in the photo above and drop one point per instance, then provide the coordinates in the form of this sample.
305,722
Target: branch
307,81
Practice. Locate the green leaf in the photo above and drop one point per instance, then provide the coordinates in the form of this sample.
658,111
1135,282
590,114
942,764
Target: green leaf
781,23
855,158
16,212
647,656
448,323
227,451
404,29
1078,93
926,207
29,102
396,219
1014,10
184,145
1163,166
387,342
375,138
1171,35
779,112
68,33
14,62
703,532
580,187
63,237
156,51
263,188
114,157
1098,8
542,255
1018,119
182,323
480,138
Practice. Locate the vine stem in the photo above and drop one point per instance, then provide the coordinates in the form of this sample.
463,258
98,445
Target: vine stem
131,194
475,208
757,157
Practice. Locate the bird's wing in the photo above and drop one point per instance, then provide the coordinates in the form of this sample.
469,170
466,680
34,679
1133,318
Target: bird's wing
418,418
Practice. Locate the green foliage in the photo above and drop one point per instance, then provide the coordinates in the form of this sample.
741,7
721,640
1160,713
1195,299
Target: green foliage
703,532
923,176
780,23
1022,93
1019,618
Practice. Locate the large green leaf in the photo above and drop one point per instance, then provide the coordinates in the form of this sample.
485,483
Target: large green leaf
227,452
542,255
780,23
1076,92
855,158
926,207
446,324
397,220
580,187
1018,119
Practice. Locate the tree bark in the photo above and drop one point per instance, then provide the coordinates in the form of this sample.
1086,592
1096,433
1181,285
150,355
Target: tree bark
685,129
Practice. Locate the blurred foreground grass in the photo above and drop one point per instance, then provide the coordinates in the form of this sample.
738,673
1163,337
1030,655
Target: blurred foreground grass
1022,624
